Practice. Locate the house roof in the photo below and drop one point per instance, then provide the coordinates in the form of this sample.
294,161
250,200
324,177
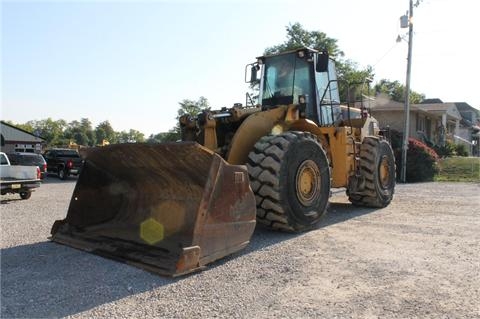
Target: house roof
12,133
463,106
442,108
389,105
469,114
382,104
430,101
436,106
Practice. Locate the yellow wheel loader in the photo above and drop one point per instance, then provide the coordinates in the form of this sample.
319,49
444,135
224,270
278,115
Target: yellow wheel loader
172,208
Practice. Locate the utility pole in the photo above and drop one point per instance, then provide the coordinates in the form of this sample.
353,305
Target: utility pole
406,126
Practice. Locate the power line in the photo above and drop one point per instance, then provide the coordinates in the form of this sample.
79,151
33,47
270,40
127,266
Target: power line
386,53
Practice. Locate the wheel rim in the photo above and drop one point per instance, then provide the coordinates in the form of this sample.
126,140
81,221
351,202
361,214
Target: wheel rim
384,172
307,182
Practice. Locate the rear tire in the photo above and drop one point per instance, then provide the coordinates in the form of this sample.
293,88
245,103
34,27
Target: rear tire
290,176
62,174
25,195
377,166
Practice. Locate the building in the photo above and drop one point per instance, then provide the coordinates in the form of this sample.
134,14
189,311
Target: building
469,126
432,121
14,139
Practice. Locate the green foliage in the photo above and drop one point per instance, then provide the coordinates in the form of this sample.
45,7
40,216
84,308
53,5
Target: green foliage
170,136
298,37
445,151
461,150
50,130
187,107
348,71
353,78
131,136
192,108
104,131
459,169
59,133
81,132
422,161
396,91
451,149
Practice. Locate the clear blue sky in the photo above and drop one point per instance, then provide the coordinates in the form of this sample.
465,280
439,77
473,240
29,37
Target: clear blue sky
131,62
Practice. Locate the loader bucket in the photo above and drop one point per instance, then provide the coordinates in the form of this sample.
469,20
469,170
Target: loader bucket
169,208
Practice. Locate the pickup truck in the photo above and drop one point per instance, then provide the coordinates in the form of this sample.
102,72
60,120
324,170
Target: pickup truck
63,162
18,179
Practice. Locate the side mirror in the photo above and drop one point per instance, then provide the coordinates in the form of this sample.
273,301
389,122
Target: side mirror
253,76
253,70
322,62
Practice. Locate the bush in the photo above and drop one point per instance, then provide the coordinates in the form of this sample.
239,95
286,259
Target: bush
447,150
461,150
422,161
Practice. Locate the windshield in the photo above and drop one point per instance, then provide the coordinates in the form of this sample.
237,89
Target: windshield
67,153
3,159
28,160
286,77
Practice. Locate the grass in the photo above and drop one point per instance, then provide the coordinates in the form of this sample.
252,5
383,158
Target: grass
459,169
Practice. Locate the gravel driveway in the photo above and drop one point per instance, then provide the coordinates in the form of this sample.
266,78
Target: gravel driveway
419,257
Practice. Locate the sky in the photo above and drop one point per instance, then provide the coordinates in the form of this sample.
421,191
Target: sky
132,62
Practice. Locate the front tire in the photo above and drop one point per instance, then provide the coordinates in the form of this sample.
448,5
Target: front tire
377,167
290,177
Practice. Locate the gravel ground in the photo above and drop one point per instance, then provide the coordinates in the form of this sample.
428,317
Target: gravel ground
419,257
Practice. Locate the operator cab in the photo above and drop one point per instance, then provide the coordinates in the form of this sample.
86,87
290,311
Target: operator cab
302,75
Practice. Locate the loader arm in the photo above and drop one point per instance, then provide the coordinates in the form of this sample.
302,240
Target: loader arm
273,121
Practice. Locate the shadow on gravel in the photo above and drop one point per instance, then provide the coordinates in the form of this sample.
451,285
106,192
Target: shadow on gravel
340,212
53,179
10,200
264,237
50,280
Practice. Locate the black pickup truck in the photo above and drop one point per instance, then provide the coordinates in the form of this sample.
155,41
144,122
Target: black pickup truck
63,162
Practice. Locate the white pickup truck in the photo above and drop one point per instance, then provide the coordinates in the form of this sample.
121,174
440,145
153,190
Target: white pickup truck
18,179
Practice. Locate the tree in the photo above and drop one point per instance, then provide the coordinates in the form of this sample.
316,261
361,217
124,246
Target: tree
52,131
396,91
81,132
87,128
348,72
298,37
132,136
171,136
187,107
353,81
192,108
104,131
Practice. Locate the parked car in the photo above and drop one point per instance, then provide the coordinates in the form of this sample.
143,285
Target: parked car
63,162
29,159
18,179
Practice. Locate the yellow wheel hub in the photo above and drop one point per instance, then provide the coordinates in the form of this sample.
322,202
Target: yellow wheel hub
384,172
308,182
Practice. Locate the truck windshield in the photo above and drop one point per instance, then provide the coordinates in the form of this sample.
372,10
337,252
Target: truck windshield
286,77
